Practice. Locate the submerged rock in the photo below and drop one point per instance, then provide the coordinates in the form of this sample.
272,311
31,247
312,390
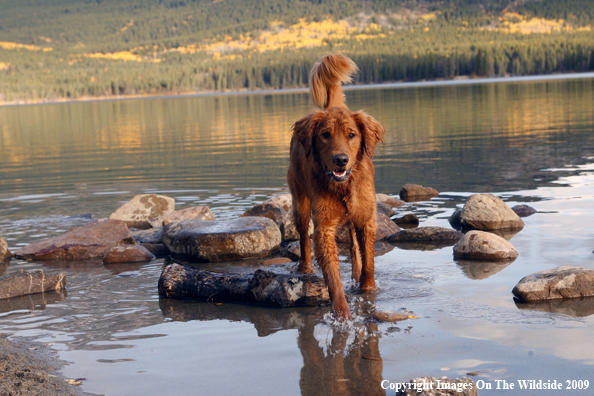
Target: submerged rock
386,316
562,282
415,192
488,212
4,252
137,212
272,211
480,245
427,234
431,386
23,282
128,254
523,210
388,200
221,240
91,241
195,212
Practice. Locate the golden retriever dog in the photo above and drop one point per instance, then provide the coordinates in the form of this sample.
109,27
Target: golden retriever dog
331,179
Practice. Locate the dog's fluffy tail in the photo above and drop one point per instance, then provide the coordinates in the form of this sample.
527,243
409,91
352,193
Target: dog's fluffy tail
326,77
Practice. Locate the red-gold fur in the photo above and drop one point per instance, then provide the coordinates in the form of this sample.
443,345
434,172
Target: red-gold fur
331,179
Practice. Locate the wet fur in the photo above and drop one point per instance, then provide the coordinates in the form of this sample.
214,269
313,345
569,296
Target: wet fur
316,185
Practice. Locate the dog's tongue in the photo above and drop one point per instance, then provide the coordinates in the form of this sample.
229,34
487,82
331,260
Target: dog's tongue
339,173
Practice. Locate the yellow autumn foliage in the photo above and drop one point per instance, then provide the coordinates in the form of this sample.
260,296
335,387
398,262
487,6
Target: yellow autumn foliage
12,46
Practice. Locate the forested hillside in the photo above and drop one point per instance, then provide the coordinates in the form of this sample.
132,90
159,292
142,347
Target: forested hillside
52,49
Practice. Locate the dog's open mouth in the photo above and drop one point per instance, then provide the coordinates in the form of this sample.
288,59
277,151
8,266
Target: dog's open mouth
339,175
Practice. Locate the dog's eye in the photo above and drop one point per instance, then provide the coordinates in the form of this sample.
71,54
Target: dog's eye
352,135
326,135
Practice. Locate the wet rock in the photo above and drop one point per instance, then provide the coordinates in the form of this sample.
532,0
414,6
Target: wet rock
385,228
482,269
222,240
480,245
385,209
128,254
562,282
137,212
427,234
386,316
488,212
263,287
455,219
195,212
274,212
415,192
23,282
81,243
431,386
289,231
151,235
158,249
576,307
285,201
292,251
4,252
523,210
410,218
388,200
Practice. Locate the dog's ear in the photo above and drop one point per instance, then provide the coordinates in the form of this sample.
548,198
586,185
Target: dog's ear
370,129
303,131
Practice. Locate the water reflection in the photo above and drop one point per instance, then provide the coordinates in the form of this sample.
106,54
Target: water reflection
478,270
576,307
32,302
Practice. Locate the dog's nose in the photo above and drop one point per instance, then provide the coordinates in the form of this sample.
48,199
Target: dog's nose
340,159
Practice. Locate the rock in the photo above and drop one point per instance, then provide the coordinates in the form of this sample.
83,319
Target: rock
263,287
151,235
384,316
158,249
81,243
414,192
385,228
410,218
455,219
137,212
562,282
431,386
4,252
222,240
488,212
426,234
385,209
23,282
195,212
293,251
388,200
289,231
128,254
523,210
274,212
480,245
285,201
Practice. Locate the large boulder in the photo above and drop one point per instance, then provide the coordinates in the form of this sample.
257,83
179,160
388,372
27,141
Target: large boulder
414,192
488,212
128,254
562,282
81,243
4,252
195,212
222,240
385,228
481,245
137,212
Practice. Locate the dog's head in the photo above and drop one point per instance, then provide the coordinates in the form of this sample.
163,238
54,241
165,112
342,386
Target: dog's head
338,138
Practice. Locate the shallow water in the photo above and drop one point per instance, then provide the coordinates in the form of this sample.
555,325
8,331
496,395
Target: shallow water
528,142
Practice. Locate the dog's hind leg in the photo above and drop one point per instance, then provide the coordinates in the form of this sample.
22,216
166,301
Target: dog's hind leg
355,254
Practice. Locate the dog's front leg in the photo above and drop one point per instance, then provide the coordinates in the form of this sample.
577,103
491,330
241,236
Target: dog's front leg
366,237
326,252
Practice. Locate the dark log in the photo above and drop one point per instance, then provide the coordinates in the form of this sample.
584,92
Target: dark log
23,282
263,287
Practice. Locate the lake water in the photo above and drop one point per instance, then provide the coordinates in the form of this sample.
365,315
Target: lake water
528,142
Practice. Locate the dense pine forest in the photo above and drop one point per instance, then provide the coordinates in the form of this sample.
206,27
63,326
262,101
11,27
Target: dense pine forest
68,49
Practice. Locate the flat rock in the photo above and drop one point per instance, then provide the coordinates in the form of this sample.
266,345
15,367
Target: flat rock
414,192
285,201
410,218
488,212
523,210
272,211
128,254
4,252
81,243
222,240
23,282
426,234
386,316
195,212
385,228
388,200
562,282
137,212
431,386
481,245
